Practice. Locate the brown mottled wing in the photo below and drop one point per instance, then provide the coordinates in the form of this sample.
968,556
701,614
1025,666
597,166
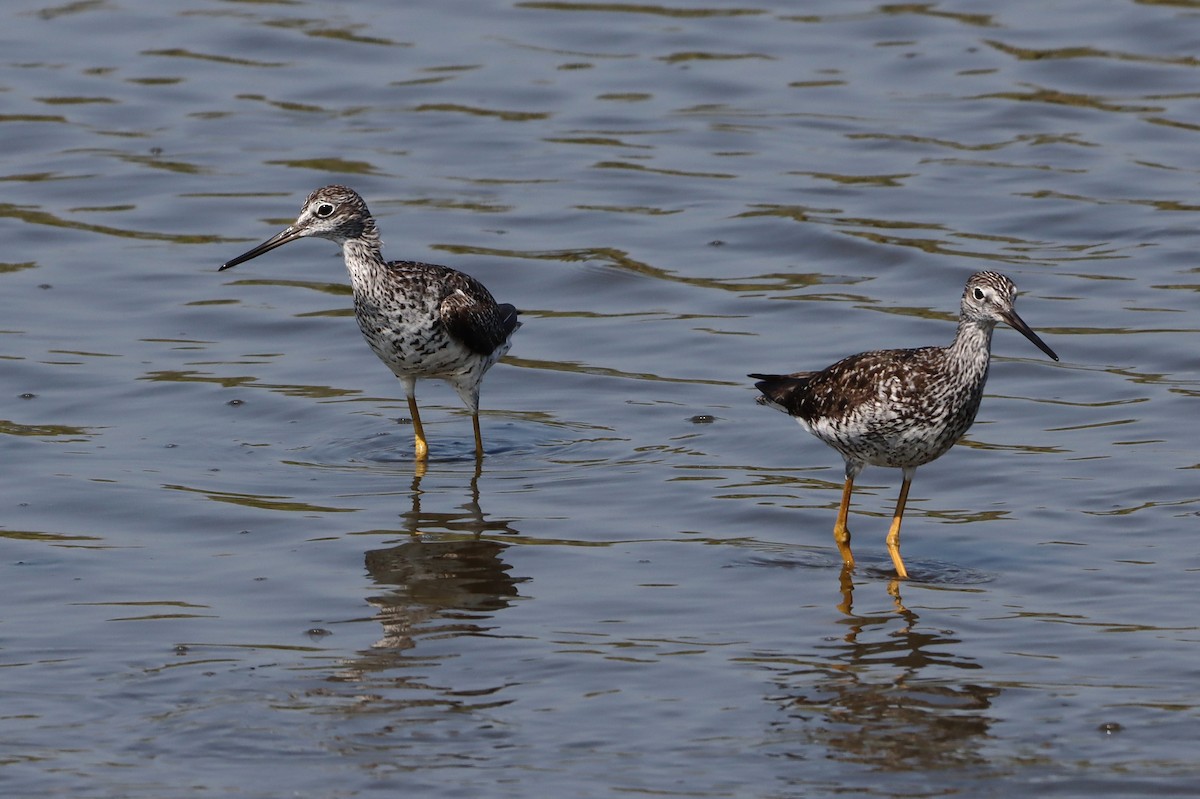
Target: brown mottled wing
472,316
838,390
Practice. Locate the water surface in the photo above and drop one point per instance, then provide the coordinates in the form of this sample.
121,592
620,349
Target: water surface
224,575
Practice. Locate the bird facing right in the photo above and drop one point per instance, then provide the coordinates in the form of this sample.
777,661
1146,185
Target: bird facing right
900,408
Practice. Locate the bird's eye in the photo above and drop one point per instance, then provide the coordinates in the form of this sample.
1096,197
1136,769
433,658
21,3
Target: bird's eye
978,293
324,210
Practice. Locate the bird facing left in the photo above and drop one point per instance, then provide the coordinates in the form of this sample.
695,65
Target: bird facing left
422,320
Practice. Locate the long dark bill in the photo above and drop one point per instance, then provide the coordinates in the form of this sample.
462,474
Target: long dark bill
278,240
1018,324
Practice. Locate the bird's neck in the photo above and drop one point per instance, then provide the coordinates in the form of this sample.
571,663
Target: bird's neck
363,257
972,346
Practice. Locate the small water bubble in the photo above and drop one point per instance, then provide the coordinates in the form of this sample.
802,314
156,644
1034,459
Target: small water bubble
317,632
236,403
703,418
716,243
1110,727
44,286
28,395
182,649
170,446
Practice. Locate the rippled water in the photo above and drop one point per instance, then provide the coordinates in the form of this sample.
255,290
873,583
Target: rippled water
223,574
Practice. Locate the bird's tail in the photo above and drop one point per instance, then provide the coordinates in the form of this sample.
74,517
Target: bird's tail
781,391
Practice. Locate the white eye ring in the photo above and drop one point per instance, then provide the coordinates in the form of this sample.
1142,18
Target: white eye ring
324,210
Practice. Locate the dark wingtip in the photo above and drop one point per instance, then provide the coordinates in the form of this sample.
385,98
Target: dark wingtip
509,317
765,380
782,392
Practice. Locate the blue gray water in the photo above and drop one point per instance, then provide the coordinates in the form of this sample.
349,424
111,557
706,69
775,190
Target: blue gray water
222,574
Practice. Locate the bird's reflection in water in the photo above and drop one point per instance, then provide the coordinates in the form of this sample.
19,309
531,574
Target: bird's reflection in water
445,579
887,692
469,517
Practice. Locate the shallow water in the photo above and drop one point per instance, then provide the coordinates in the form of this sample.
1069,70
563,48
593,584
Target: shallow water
224,575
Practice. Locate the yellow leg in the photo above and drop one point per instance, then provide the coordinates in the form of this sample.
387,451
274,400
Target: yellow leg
478,438
841,534
422,449
893,538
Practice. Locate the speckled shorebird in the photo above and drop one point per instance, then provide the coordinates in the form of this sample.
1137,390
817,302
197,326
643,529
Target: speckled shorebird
900,408
422,320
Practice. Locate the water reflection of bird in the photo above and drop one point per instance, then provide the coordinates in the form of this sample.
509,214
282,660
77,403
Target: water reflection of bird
431,588
473,521
886,691
443,575
422,320
443,579
900,408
